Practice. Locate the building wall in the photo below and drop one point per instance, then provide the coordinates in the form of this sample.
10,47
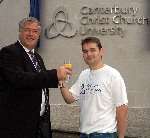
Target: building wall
11,12
126,48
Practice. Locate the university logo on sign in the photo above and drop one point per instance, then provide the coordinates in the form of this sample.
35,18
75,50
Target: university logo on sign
60,25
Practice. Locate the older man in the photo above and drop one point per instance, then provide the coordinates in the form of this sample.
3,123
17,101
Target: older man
23,80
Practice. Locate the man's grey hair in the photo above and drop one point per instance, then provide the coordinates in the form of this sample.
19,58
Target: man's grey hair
28,19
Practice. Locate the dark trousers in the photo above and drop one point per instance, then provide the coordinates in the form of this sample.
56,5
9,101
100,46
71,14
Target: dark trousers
44,127
99,135
16,134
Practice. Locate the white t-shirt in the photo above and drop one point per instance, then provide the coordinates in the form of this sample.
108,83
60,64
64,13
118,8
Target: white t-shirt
99,93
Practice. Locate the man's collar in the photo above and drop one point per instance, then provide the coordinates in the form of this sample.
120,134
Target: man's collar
26,49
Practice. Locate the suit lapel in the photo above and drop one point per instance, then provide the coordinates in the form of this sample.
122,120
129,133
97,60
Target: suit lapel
26,59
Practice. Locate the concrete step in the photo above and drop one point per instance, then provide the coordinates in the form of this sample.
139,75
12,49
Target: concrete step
62,134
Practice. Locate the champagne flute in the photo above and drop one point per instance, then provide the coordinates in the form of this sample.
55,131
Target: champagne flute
67,64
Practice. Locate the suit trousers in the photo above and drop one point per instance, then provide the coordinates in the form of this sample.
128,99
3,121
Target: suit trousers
44,127
16,134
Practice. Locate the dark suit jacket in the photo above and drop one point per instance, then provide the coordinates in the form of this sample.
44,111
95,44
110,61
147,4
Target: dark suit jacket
20,92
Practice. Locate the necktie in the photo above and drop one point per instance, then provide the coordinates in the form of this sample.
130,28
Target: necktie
38,68
35,61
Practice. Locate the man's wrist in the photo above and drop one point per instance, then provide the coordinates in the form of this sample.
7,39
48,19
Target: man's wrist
61,84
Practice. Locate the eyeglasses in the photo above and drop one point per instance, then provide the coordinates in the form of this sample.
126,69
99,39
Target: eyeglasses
29,30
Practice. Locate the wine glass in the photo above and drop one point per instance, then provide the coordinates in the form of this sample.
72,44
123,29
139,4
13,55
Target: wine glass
67,64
